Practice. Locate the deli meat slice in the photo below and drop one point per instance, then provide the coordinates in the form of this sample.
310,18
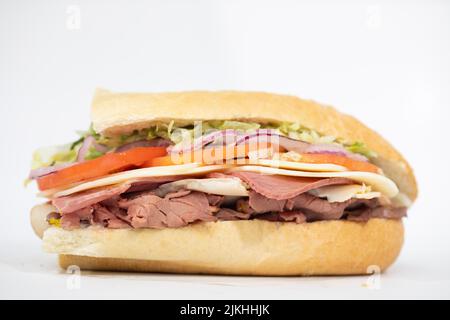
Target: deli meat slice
174,210
76,201
314,208
227,214
87,198
288,216
284,187
377,212
150,183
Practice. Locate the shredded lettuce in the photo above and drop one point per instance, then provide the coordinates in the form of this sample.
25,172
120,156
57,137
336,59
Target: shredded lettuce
296,131
361,148
93,154
67,153
238,125
49,156
157,131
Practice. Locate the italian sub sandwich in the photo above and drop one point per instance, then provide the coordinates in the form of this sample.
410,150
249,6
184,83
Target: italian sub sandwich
240,183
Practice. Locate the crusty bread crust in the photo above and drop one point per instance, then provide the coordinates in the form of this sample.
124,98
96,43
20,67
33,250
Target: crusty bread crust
115,113
235,247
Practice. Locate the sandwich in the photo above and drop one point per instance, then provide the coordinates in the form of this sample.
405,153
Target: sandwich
239,183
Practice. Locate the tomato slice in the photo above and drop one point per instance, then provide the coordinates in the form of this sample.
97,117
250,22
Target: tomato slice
350,164
106,164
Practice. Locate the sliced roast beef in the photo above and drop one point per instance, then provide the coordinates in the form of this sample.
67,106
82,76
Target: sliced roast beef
313,207
318,209
285,187
365,214
257,203
189,208
227,214
73,220
70,221
174,210
142,212
151,183
288,216
214,200
107,218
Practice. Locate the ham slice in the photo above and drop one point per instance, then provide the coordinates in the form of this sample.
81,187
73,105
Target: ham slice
87,198
284,187
73,202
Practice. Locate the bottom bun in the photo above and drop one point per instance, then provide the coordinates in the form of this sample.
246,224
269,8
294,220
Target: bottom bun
253,247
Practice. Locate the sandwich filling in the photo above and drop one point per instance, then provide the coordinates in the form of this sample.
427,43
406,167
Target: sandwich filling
169,176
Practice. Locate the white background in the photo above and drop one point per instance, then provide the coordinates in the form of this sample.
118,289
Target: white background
386,62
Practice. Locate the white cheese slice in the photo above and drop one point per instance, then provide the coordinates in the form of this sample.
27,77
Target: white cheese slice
401,200
343,193
378,182
219,186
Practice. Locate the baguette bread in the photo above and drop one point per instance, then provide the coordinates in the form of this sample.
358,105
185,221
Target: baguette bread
253,247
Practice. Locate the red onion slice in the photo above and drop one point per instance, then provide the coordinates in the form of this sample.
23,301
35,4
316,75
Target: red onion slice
335,149
204,140
88,143
157,142
275,139
84,149
40,172
100,147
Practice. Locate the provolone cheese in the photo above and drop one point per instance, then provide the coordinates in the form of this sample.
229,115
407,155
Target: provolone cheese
341,193
401,200
379,183
220,186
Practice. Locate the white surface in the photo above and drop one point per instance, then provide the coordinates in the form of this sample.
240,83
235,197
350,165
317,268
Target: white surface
385,63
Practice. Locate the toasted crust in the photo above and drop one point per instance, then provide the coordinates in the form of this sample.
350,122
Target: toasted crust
115,113
235,247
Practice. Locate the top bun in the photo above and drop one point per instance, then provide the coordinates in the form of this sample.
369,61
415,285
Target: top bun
117,113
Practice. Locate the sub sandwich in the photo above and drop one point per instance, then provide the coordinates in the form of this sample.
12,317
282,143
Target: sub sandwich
227,182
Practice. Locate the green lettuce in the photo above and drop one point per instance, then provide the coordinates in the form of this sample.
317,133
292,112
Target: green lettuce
49,156
361,148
